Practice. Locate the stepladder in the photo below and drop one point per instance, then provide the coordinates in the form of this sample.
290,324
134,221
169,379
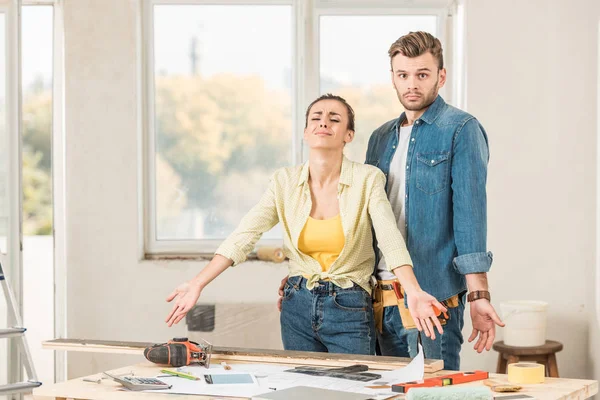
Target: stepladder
17,333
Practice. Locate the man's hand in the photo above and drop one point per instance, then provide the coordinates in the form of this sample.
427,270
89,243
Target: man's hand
280,300
186,295
484,319
420,305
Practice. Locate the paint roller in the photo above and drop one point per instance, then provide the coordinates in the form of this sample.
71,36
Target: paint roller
272,254
450,393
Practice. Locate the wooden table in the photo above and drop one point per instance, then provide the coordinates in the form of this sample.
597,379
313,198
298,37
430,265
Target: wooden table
553,388
76,389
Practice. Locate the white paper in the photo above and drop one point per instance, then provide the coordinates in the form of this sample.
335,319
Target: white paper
188,386
414,371
271,377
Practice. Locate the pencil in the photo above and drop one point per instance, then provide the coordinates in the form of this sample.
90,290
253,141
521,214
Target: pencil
180,374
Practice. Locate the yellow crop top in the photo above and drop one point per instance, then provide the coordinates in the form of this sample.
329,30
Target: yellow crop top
322,239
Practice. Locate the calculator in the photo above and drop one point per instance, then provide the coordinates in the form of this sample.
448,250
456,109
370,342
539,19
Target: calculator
139,383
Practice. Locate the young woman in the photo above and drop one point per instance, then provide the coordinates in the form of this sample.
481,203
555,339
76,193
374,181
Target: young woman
327,208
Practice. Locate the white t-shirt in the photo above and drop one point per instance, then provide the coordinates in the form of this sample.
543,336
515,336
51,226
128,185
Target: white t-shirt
396,189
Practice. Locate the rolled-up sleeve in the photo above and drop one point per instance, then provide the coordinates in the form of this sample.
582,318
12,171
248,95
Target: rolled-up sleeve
389,239
261,218
473,263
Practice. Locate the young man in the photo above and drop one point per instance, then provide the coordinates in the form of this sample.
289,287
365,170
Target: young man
435,159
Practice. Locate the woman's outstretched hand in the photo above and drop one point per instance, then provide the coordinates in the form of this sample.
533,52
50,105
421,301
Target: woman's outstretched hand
421,307
185,295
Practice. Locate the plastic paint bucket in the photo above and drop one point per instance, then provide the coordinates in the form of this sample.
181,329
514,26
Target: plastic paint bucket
525,323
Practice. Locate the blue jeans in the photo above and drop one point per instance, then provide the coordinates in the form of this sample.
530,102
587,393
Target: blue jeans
397,341
327,318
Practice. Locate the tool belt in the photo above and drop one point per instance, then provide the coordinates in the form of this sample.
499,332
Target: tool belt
390,293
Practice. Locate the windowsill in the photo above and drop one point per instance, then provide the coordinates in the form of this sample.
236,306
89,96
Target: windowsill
197,257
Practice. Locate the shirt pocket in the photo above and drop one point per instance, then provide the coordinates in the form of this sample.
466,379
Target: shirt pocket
432,172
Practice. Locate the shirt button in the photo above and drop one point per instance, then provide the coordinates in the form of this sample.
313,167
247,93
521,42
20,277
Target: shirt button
418,121
393,147
412,140
432,161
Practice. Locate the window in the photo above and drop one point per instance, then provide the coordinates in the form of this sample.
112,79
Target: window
354,64
27,33
37,50
227,86
36,78
222,114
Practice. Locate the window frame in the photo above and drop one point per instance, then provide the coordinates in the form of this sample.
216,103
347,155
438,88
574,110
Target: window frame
376,9
197,247
58,150
12,259
305,87
14,269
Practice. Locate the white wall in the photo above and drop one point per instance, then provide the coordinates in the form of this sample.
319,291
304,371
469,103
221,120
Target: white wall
531,84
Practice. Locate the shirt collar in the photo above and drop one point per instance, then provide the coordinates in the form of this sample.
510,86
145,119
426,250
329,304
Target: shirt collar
345,175
429,116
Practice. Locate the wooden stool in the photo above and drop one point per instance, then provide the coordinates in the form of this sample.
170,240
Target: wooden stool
544,354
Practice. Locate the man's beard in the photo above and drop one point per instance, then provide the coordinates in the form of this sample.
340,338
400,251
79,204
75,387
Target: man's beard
424,102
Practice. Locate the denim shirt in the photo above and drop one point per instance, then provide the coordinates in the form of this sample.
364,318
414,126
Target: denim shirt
446,171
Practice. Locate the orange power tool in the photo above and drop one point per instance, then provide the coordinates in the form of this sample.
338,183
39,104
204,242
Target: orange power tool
179,352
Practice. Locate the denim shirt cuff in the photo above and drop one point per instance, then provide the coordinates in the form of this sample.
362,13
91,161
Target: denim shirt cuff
473,263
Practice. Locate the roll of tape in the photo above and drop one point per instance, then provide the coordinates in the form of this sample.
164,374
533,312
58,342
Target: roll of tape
524,373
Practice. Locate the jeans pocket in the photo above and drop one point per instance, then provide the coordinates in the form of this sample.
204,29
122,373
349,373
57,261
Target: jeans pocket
288,291
433,172
352,300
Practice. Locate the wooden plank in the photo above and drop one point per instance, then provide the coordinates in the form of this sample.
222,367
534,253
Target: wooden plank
97,346
247,355
551,389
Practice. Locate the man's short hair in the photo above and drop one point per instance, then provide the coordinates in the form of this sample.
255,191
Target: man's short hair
415,44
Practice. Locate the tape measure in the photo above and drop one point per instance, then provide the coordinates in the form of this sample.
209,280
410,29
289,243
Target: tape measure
525,373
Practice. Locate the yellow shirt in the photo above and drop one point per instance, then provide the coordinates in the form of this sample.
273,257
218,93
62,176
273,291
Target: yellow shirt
323,240
363,205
